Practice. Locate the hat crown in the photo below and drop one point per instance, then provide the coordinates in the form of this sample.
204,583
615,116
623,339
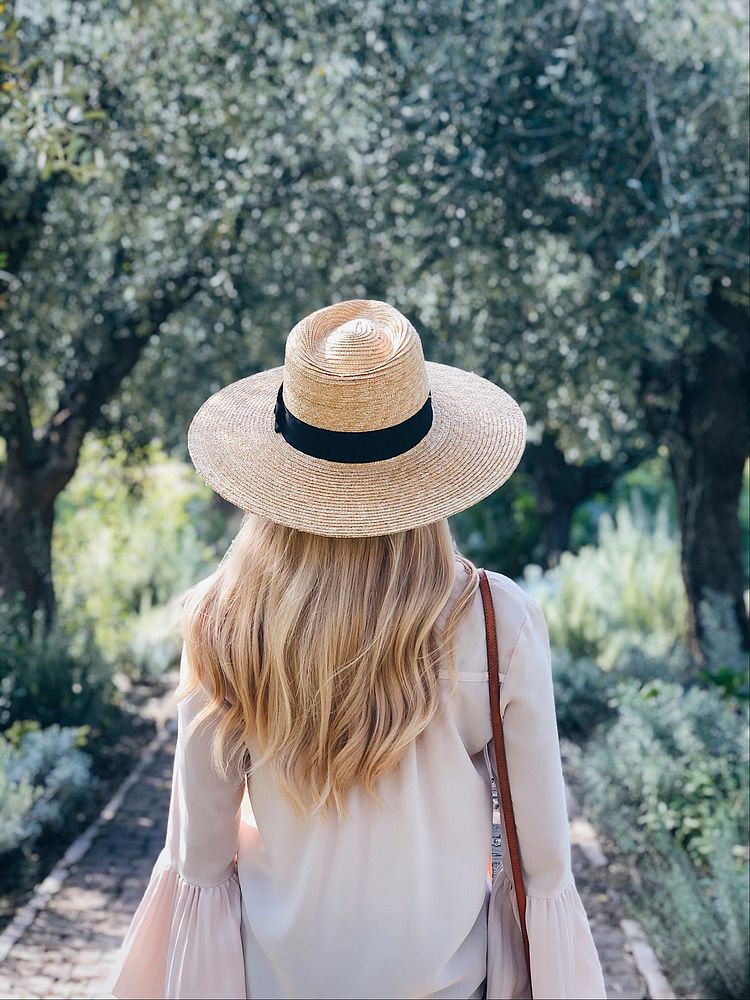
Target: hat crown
354,366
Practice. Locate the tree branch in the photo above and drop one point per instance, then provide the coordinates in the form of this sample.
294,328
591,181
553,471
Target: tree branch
83,395
15,424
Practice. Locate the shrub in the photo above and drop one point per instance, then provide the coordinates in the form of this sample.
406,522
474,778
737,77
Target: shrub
698,921
43,780
664,772
625,593
40,679
129,537
727,659
674,759
16,800
582,695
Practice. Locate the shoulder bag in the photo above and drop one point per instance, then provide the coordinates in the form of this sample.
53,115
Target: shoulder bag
511,981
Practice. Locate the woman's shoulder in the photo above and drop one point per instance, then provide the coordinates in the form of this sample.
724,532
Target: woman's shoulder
512,606
508,596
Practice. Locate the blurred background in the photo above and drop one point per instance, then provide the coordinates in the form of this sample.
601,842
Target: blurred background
555,193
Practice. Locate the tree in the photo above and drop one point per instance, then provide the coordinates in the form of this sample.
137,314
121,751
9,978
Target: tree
588,163
48,140
203,174
554,193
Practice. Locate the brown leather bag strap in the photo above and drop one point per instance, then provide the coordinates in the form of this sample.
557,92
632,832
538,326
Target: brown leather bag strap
501,762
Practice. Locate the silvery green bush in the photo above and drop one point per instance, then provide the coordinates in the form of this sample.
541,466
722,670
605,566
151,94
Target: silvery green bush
675,759
585,694
43,781
666,780
16,799
727,660
582,695
623,594
708,906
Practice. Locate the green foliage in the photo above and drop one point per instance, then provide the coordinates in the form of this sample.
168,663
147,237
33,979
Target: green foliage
582,695
710,909
41,679
625,593
649,485
666,781
270,160
44,778
502,531
727,659
16,801
661,752
129,538
42,113
255,163
674,759
585,694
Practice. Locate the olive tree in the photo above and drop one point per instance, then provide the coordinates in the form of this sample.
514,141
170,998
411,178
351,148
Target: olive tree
553,192
577,226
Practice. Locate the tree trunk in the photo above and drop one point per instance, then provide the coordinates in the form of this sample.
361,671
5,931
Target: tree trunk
27,508
40,463
698,407
707,452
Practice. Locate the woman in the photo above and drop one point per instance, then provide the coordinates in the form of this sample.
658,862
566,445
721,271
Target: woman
334,667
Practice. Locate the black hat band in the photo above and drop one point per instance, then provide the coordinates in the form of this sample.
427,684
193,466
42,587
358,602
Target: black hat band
352,446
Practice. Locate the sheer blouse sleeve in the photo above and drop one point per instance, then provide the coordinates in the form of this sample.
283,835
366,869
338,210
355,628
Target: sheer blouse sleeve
184,939
564,960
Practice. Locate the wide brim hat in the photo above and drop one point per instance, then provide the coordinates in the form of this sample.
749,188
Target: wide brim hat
356,434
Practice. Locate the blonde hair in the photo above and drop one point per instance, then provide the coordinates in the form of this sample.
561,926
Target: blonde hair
325,649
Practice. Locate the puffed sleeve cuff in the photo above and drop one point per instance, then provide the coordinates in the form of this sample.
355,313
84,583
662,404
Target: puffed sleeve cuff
564,961
184,940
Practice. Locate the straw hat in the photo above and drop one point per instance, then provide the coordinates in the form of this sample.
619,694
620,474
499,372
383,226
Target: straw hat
356,434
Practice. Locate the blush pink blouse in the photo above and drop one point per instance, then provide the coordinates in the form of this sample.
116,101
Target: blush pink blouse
246,900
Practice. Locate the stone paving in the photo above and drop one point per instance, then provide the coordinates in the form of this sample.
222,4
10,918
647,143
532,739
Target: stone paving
621,975
70,948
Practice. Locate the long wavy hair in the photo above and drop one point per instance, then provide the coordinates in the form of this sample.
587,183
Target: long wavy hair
324,649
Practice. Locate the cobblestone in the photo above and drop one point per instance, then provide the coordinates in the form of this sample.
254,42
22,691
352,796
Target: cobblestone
70,948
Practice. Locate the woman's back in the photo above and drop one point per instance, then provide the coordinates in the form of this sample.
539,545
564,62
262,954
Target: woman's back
391,901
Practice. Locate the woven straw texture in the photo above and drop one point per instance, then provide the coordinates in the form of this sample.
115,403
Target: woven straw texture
357,366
